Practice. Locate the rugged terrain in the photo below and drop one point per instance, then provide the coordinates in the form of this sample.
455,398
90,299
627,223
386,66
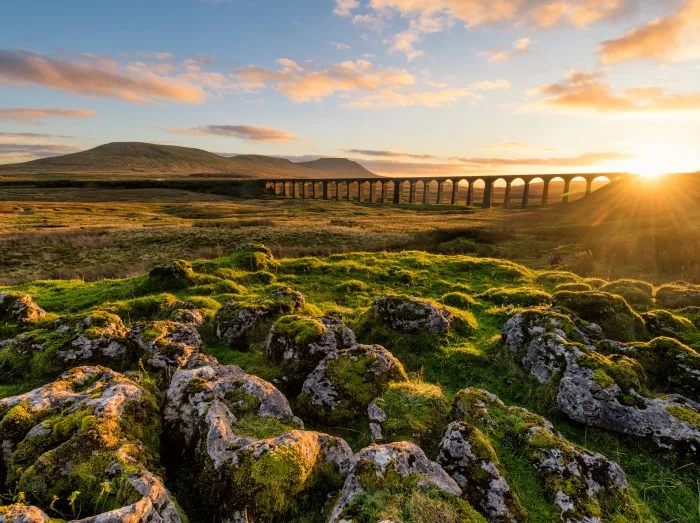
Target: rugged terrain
405,387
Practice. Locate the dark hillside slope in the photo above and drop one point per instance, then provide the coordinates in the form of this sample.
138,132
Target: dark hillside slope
339,167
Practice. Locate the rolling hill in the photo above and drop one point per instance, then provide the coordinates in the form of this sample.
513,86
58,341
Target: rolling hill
339,167
136,159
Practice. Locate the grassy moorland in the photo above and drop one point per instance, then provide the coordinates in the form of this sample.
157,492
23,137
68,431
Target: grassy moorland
480,293
92,233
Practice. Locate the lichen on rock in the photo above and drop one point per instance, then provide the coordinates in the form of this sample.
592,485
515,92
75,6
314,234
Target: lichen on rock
19,308
610,392
236,320
244,445
77,448
397,480
166,344
346,381
298,343
468,457
583,486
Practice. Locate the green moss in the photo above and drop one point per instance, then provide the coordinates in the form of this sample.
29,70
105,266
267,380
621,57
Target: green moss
299,329
351,286
684,413
144,308
415,411
551,279
521,296
573,287
459,300
678,295
256,426
610,311
635,292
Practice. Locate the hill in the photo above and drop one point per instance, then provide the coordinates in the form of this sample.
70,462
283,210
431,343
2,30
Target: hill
339,168
138,158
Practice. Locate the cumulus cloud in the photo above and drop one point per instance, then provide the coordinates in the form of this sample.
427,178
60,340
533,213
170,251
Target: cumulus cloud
249,133
94,76
673,38
345,7
519,47
389,154
35,115
590,91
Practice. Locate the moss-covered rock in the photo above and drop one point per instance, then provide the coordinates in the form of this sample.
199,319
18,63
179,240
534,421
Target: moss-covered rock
345,382
579,286
19,308
635,292
409,411
610,311
468,457
97,337
664,323
298,343
351,287
242,446
416,317
519,296
176,274
551,279
253,257
669,365
166,344
583,486
397,482
82,446
678,295
610,392
236,320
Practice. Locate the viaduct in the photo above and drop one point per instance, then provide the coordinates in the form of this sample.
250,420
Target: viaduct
389,190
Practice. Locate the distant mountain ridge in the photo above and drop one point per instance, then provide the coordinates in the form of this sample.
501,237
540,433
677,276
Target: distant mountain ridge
139,158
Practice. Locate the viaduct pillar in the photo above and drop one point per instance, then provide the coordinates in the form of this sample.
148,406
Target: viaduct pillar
453,200
488,186
565,196
506,198
397,192
526,195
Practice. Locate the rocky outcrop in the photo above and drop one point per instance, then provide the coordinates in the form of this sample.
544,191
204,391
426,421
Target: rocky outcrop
468,457
610,311
583,486
19,308
346,382
411,315
95,338
601,391
76,443
166,344
399,467
187,313
245,447
236,320
298,343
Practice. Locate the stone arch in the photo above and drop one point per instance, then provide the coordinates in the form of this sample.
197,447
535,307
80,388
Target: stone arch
430,191
445,195
498,191
577,188
478,190
535,190
517,191
599,181
555,189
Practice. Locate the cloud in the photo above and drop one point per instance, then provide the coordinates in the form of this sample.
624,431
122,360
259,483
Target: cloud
541,13
345,7
389,154
515,145
94,76
673,38
582,160
340,46
249,133
589,91
304,85
519,47
4,135
35,116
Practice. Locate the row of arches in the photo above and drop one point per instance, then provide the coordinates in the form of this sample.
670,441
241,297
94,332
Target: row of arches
486,191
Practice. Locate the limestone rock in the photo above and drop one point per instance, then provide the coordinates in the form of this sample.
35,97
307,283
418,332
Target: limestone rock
602,391
92,337
243,443
80,431
468,457
166,344
376,466
235,320
188,313
411,315
298,344
346,382
19,308
22,514
583,485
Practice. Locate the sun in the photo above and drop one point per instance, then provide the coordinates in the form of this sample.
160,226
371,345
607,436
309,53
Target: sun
652,160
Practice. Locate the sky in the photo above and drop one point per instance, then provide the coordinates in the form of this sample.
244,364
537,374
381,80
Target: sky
410,87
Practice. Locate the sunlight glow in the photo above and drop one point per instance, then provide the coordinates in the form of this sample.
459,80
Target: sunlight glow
652,160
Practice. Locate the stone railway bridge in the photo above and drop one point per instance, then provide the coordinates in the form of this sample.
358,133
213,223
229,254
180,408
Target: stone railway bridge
389,189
